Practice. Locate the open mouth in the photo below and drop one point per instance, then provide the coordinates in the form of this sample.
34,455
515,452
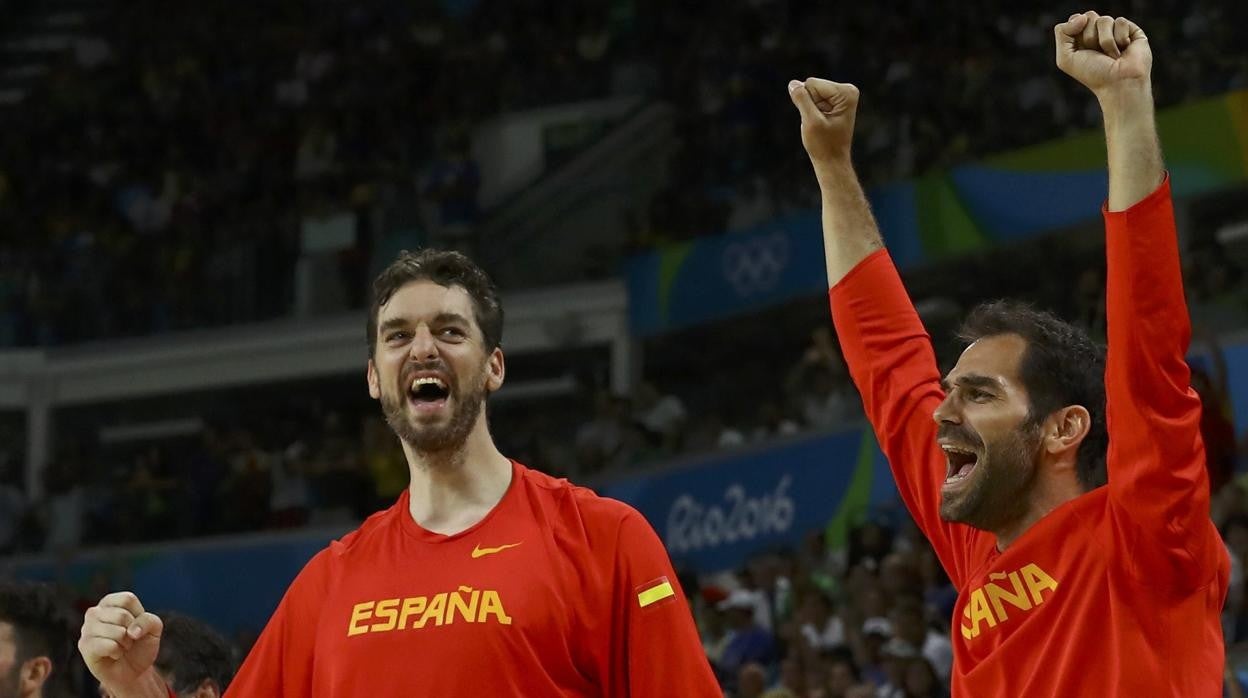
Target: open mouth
428,392
960,463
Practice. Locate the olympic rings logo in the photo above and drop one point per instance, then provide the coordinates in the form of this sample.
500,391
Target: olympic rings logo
755,266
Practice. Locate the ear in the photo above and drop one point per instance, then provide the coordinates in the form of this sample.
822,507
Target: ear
1066,428
496,369
34,674
374,383
207,689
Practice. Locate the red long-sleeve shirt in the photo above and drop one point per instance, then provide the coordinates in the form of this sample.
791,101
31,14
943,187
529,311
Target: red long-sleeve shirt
556,592
1114,593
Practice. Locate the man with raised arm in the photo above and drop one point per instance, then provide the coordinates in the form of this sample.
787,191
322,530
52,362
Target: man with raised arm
1063,489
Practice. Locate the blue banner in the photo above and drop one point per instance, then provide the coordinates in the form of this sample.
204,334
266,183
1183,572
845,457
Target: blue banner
720,276
233,584
942,214
714,514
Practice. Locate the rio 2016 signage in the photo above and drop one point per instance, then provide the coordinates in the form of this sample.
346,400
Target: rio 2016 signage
715,512
737,517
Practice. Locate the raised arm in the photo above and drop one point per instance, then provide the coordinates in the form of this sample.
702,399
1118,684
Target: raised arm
888,351
1156,463
850,234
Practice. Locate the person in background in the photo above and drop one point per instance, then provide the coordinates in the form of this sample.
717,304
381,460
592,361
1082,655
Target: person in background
35,645
195,660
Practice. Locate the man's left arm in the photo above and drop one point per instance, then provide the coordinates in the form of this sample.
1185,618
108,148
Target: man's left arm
1156,462
655,647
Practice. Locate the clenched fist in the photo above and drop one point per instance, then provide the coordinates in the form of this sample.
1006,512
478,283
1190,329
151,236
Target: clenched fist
828,110
1103,52
119,643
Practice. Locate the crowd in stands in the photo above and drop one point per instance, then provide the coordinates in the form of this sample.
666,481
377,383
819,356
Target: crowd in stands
941,85
869,619
161,175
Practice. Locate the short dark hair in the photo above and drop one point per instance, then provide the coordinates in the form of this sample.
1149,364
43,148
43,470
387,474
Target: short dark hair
191,653
1061,366
41,624
445,268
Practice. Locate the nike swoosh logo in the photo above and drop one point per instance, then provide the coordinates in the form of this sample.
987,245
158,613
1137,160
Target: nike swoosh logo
478,551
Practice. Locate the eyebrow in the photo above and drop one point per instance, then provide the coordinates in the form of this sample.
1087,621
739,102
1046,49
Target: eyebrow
439,319
973,380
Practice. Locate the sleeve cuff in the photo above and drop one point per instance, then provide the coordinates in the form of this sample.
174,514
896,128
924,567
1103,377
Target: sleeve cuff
868,263
1144,206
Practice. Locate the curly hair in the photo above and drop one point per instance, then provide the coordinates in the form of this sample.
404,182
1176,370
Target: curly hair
445,268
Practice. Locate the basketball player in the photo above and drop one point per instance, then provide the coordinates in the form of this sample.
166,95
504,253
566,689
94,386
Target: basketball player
1068,586
486,578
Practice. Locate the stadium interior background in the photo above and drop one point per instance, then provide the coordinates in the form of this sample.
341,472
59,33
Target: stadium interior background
193,198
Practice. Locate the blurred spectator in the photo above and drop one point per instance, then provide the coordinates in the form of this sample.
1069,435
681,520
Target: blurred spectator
248,487
939,593
751,681
711,431
1235,612
13,506
662,416
386,462
600,440
452,183
819,383
35,644
896,655
339,479
1210,379
772,423
64,508
290,500
921,681
194,659
747,640
1089,310
822,629
843,673
910,626
791,684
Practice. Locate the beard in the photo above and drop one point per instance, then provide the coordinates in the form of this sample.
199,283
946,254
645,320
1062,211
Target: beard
996,492
436,438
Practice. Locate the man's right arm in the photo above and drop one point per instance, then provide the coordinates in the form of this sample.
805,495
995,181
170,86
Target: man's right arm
887,349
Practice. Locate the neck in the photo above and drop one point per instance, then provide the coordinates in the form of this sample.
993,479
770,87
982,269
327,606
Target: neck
1047,494
451,491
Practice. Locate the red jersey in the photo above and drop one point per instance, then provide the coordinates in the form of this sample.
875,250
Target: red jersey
556,592
1116,592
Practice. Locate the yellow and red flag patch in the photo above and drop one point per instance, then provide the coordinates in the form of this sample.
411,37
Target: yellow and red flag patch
654,591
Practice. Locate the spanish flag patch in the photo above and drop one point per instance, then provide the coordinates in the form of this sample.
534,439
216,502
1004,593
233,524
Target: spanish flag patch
654,591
